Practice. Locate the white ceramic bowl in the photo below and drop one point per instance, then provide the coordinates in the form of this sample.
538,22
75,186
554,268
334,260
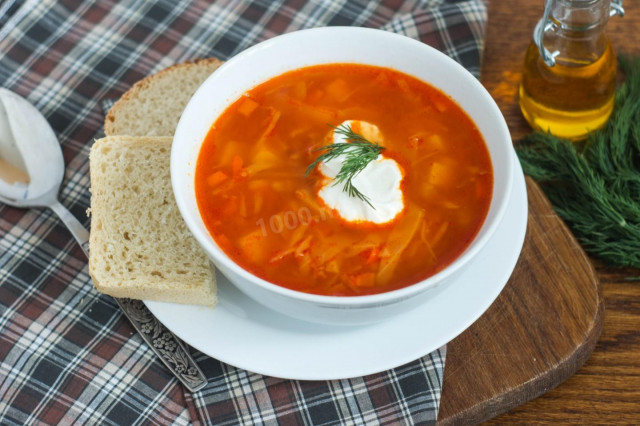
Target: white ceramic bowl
336,45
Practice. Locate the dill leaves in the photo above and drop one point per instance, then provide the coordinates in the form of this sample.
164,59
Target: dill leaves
358,153
595,186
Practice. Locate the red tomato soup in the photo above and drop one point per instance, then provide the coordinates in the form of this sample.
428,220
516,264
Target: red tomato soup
267,216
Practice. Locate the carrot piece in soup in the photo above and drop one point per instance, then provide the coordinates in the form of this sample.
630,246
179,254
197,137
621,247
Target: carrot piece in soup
247,106
366,279
236,167
216,178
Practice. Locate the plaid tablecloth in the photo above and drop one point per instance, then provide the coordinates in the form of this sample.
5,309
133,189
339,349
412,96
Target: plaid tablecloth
67,354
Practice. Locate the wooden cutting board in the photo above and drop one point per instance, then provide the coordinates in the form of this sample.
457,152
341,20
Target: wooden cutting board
538,332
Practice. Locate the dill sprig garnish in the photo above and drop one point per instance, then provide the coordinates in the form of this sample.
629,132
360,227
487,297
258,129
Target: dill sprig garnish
357,152
595,186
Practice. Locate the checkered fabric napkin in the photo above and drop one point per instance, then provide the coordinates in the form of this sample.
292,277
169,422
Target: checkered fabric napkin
67,354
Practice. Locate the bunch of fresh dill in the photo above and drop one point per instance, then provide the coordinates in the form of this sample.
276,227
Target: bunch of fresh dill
595,186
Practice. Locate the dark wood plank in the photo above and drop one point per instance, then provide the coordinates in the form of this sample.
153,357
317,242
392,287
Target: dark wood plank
607,388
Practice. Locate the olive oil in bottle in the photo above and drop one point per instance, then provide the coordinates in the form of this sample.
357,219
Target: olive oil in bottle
569,74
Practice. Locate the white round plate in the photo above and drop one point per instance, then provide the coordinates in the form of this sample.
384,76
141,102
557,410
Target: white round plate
243,333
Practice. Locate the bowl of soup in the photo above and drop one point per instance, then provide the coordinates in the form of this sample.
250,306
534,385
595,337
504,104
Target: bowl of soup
341,175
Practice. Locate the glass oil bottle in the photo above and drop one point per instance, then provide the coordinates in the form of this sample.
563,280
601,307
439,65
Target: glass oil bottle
569,74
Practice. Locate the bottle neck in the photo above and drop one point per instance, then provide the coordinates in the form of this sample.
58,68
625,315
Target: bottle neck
580,17
571,32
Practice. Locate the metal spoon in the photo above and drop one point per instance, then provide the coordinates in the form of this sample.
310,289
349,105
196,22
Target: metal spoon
29,148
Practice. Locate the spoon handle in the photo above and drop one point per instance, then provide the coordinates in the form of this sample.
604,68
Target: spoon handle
171,350
77,229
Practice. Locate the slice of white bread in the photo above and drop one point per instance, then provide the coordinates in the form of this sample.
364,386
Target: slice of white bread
153,106
140,247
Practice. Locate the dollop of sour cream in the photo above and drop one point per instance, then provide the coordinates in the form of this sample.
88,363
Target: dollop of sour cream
379,181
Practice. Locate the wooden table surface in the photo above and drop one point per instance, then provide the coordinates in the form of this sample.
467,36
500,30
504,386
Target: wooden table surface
606,390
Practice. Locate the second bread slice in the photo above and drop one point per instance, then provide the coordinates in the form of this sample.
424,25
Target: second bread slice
140,247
